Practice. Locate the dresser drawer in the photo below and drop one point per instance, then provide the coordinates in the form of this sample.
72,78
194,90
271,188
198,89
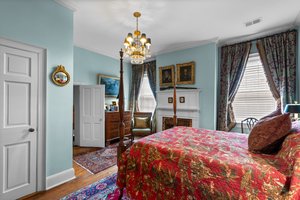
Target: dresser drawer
112,120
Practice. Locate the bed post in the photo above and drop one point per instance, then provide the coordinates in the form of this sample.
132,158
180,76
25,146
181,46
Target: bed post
174,102
121,146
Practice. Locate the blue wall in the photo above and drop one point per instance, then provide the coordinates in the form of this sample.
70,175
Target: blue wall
50,26
88,64
206,59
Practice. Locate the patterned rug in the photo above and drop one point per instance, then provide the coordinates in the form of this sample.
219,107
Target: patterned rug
99,160
103,189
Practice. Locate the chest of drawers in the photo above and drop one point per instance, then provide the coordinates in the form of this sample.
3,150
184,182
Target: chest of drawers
112,120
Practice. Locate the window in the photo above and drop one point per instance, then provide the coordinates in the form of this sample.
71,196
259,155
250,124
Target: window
146,100
254,98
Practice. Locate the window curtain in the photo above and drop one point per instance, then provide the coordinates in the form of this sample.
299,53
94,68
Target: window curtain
150,67
278,55
233,62
136,78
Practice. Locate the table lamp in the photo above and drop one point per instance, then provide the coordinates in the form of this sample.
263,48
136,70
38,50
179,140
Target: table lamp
293,108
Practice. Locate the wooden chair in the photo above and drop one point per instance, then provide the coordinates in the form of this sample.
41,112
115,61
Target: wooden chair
250,122
141,124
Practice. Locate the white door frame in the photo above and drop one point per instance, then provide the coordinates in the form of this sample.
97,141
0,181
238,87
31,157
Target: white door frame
41,107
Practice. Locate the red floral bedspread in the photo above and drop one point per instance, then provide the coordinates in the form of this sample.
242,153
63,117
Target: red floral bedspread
189,163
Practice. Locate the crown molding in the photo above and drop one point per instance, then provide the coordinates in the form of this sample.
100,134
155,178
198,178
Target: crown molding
189,45
103,53
254,36
150,59
170,49
67,4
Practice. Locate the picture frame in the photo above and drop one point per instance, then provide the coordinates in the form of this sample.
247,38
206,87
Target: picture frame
182,99
166,76
111,83
185,73
170,99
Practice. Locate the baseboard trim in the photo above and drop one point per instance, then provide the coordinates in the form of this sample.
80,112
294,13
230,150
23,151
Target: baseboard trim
59,178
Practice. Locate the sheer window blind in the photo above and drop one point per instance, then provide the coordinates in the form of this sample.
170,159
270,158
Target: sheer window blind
146,100
254,98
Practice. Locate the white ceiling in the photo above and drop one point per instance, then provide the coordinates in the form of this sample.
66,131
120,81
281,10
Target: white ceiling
101,25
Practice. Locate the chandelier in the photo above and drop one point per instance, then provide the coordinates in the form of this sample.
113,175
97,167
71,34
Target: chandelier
137,45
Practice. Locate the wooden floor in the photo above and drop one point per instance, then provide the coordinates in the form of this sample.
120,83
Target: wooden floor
83,178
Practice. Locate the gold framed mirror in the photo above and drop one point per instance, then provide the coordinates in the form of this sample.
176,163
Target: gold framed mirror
60,76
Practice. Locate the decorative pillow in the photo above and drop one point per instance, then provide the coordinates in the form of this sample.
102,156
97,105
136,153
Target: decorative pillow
269,133
273,114
141,122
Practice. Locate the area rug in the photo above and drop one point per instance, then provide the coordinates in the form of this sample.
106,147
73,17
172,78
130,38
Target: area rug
99,160
103,189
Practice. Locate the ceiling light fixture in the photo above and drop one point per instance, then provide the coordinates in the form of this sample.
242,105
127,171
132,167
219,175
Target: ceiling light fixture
137,45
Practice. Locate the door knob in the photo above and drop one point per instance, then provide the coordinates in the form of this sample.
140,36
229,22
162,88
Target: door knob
31,130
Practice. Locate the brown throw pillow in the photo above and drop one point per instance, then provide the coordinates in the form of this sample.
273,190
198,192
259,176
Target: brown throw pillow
141,122
268,134
273,114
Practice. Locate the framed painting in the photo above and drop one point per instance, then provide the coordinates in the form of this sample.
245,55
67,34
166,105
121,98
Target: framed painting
166,75
185,73
111,83
182,99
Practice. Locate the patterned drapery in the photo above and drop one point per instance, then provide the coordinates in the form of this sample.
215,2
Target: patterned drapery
151,71
233,62
150,67
136,78
278,55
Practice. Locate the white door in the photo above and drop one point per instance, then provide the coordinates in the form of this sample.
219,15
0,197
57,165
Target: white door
18,122
92,116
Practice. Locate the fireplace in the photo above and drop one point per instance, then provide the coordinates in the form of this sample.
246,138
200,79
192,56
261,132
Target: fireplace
188,111
168,122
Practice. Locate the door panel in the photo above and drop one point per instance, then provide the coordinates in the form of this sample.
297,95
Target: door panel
18,113
17,65
17,99
13,158
97,127
87,131
87,102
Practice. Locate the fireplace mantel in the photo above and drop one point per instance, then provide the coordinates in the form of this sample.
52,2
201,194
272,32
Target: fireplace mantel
189,109
179,109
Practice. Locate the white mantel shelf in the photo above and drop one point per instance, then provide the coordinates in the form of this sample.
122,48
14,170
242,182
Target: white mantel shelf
178,91
179,109
190,109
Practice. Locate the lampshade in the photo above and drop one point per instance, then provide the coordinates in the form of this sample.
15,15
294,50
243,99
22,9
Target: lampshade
292,108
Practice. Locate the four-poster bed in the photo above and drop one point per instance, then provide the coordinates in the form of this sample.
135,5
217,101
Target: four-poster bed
191,163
